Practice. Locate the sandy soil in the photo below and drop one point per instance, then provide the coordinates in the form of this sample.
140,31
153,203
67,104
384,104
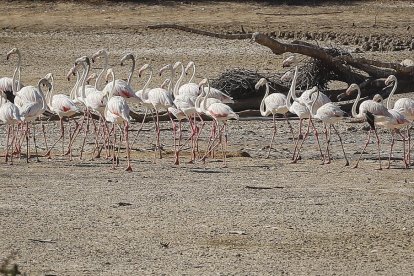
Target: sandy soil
62,217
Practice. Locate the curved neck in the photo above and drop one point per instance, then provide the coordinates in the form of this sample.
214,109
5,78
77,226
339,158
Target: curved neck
197,103
292,90
132,70
39,87
262,104
113,85
391,94
177,84
49,95
313,106
192,76
73,92
207,95
354,113
16,86
83,80
105,55
293,85
144,89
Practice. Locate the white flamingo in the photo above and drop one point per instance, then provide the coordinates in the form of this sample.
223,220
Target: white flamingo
299,108
329,114
117,112
6,83
31,103
371,107
161,99
64,107
123,88
274,103
394,121
9,115
220,112
190,88
403,105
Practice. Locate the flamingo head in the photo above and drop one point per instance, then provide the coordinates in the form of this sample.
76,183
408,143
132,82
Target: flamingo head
189,65
72,71
98,54
108,72
12,52
49,77
143,68
175,66
83,59
390,79
353,87
287,76
260,83
289,61
166,67
127,57
92,76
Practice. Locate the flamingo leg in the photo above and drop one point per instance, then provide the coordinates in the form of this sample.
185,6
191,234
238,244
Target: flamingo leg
176,154
405,159
140,128
342,145
273,136
363,150
327,137
7,142
303,140
44,134
119,148
199,132
297,140
225,144
409,145
86,130
126,127
213,147
34,142
61,136
315,130
379,149
27,143
113,147
290,126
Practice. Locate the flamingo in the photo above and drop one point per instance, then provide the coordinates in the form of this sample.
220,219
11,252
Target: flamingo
395,120
372,107
123,88
101,53
117,112
299,108
220,112
403,105
10,115
189,88
161,99
329,114
63,106
274,103
9,86
31,103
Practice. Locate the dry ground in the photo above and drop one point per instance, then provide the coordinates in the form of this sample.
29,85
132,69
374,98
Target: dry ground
81,218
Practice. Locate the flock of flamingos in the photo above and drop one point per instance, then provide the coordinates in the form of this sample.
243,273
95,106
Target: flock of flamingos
105,107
